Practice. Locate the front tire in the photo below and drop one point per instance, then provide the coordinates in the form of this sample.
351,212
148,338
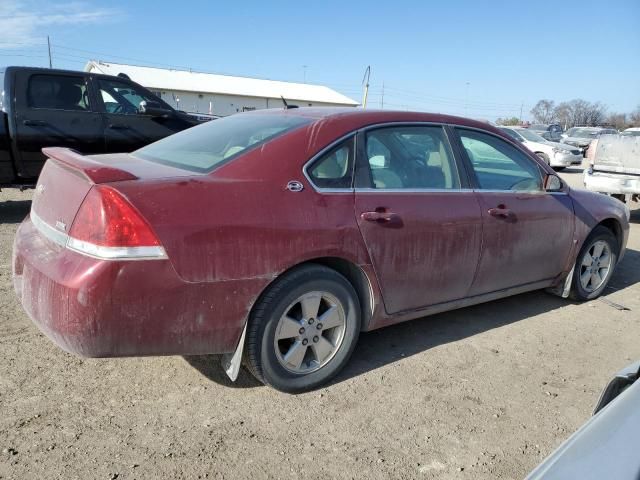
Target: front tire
303,329
595,265
544,157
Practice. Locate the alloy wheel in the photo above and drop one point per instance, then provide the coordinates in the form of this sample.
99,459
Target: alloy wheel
595,266
310,332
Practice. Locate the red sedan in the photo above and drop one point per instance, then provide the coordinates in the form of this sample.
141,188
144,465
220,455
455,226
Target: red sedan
276,237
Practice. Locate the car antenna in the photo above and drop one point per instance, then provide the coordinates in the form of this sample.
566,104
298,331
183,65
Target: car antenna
286,105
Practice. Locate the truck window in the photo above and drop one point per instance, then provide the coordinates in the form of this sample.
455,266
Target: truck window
58,92
120,97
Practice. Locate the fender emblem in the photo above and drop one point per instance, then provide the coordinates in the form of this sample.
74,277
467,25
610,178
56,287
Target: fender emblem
40,188
295,186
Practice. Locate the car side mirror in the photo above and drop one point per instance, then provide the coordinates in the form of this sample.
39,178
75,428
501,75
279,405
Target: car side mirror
552,183
153,109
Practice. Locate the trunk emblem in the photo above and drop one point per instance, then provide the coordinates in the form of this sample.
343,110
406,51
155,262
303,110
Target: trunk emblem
295,186
61,225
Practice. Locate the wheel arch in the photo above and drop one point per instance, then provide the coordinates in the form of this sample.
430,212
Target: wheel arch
615,227
354,274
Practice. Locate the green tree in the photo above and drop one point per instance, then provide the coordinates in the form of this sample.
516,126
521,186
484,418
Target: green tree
508,121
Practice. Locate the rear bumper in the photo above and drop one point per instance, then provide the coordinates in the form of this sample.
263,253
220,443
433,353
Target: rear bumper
616,183
102,308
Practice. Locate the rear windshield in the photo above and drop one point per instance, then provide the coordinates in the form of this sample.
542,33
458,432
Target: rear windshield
207,146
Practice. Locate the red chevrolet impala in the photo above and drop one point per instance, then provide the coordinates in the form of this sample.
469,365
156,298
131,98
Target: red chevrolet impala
276,237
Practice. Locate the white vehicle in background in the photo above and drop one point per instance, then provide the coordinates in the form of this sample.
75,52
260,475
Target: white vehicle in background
631,132
557,155
614,166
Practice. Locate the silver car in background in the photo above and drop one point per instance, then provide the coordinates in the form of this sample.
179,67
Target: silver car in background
608,445
581,136
556,155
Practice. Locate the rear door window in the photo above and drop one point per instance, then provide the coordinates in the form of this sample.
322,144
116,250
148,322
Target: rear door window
410,157
58,92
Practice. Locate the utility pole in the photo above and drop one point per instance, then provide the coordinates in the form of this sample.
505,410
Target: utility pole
49,47
365,82
382,98
304,73
521,106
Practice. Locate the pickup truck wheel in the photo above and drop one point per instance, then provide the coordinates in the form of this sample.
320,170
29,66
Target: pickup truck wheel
595,265
303,329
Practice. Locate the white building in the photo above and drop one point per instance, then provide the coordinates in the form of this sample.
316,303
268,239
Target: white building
222,94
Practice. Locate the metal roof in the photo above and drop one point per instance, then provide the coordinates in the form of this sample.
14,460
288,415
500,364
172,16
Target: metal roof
187,81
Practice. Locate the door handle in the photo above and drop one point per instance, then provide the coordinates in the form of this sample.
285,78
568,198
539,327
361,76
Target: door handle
380,216
500,211
34,123
118,126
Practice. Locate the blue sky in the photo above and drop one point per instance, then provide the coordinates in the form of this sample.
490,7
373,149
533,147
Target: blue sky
509,53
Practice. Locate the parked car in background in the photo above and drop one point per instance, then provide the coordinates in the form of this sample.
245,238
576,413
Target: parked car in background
581,136
278,236
606,446
87,112
557,155
551,132
631,132
614,166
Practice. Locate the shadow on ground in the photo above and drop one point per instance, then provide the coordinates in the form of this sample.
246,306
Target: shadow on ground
14,211
576,169
627,272
635,212
210,367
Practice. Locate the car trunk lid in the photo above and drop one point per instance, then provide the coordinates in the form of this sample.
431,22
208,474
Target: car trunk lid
68,176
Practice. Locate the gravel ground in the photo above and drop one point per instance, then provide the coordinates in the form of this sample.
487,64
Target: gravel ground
480,393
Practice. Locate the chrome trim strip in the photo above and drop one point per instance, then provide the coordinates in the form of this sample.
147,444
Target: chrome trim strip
413,190
520,192
116,253
56,236
96,251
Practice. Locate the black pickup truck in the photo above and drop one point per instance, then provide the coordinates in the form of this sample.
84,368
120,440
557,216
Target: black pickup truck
84,111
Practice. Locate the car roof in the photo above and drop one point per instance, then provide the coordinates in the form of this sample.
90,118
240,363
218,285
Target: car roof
372,116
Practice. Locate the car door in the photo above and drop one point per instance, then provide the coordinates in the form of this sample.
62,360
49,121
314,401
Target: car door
421,225
53,110
125,128
527,232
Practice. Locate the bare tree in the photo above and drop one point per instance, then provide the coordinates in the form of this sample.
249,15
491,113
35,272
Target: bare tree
635,117
580,112
562,113
618,120
543,111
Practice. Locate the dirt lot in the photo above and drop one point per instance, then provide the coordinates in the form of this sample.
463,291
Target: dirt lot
481,393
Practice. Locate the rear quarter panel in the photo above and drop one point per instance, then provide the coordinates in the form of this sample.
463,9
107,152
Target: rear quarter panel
241,222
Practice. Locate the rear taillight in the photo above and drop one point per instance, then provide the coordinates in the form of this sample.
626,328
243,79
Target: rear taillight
108,226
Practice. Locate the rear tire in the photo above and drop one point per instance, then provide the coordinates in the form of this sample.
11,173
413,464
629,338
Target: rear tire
288,346
594,265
